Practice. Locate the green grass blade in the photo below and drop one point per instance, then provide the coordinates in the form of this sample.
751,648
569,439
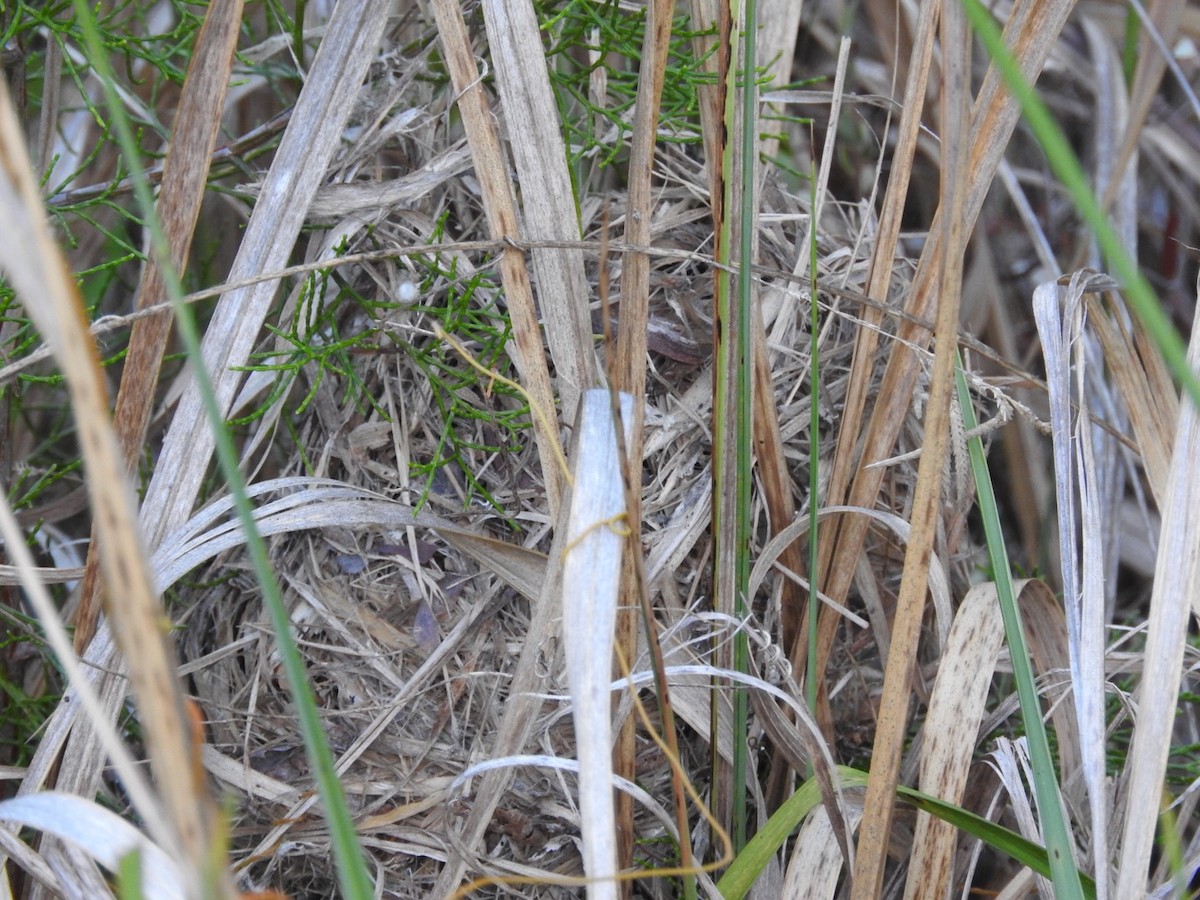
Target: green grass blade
1054,826
740,877
750,862
352,873
1023,850
129,877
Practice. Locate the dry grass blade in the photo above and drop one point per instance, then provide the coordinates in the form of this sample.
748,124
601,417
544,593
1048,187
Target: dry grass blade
547,201
1174,598
1079,486
635,272
628,370
839,548
776,480
596,532
733,374
1144,383
313,134
38,270
185,175
875,828
1030,32
956,708
880,278
500,206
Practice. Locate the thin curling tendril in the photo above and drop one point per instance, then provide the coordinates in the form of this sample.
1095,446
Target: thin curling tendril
538,413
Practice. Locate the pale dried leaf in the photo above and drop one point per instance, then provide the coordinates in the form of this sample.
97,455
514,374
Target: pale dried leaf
313,134
817,861
547,201
951,729
1175,596
104,835
591,585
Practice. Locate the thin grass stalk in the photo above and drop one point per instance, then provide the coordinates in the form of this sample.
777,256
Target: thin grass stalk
185,173
814,456
844,539
634,579
875,828
745,410
882,261
629,374
352,873
724,442
1055,831
1070,173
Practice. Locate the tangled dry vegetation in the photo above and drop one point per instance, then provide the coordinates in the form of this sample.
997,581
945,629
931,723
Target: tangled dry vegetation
439,201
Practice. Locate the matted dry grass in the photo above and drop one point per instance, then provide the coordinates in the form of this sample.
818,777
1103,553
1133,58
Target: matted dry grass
414,583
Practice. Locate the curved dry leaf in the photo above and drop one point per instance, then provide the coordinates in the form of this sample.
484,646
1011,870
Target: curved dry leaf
104,835
939,585
313,503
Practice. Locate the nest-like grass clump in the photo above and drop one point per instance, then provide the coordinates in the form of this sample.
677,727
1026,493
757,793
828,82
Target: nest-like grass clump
371,606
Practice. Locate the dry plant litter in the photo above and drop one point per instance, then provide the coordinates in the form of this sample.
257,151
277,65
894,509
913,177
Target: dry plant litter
420,237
